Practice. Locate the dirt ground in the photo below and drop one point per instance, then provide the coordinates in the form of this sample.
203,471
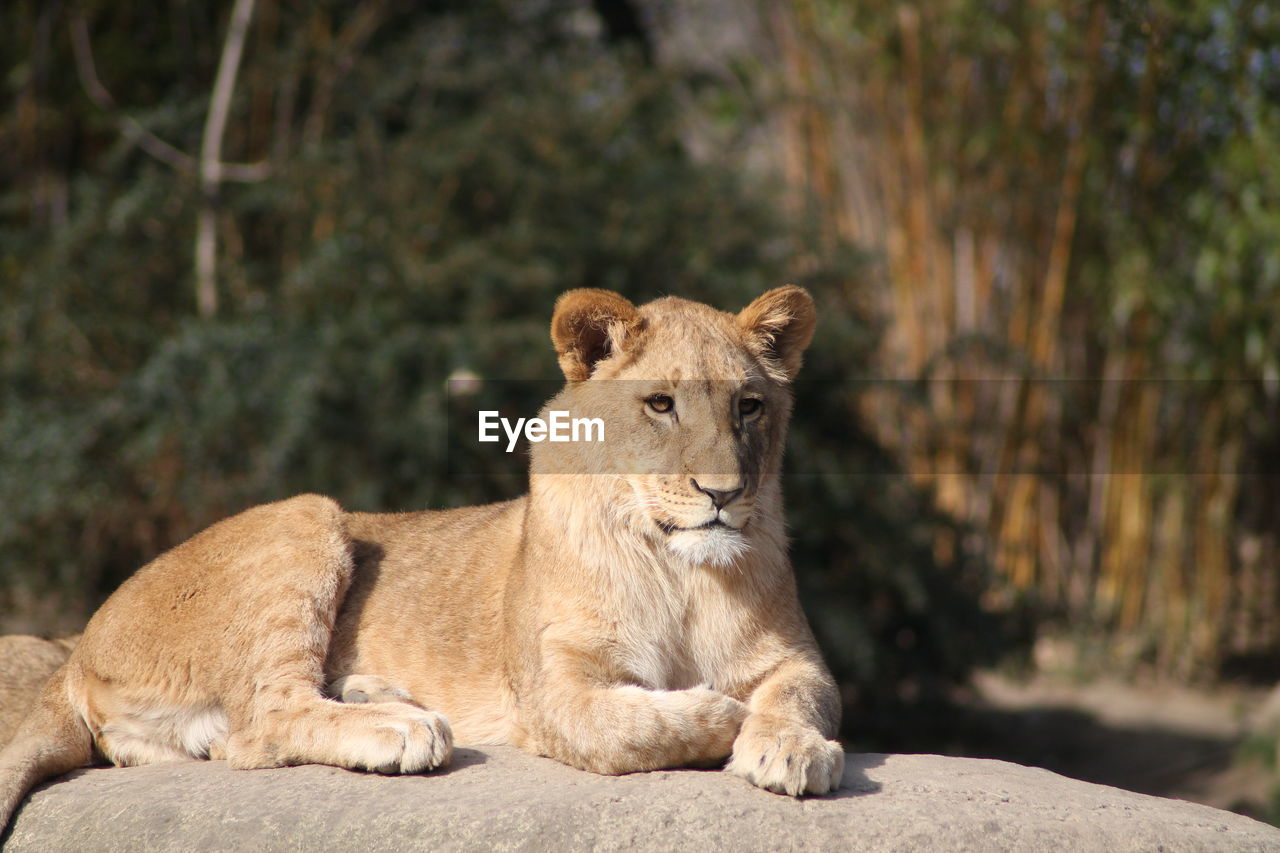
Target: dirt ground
1162,739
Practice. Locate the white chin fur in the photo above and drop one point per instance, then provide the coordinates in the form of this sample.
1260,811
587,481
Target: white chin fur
717,546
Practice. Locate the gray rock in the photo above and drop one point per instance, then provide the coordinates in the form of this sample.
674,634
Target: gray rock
501,799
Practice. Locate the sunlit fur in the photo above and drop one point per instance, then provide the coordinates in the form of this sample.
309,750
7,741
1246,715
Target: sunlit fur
597,620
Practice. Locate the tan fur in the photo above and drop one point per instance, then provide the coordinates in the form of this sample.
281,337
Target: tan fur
597,620
25,665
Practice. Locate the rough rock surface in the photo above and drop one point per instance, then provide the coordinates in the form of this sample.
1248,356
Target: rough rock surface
501,799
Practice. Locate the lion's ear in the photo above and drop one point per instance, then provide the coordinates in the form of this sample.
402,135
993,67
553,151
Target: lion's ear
589,325
779,326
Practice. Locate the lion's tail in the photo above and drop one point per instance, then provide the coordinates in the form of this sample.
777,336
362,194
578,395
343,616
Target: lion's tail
52,740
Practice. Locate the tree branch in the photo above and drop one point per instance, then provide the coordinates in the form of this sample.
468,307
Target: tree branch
133,130
211,166
224,85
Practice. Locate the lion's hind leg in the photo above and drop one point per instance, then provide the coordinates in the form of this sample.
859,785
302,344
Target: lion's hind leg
273,684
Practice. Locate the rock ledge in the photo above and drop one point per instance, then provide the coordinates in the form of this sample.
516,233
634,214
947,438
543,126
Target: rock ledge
501,799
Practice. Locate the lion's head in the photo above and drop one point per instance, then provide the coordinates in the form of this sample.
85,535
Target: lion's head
695,404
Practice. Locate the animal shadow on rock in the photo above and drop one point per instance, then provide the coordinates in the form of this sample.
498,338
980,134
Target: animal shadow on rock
854,782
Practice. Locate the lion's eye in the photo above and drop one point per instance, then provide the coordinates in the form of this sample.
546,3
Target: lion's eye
749,406
660,403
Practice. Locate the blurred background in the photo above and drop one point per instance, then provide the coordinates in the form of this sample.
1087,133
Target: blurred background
1035,495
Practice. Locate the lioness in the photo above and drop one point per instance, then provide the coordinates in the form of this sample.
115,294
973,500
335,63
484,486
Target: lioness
636,610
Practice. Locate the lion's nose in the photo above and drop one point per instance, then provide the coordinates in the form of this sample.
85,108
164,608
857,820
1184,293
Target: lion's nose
719,497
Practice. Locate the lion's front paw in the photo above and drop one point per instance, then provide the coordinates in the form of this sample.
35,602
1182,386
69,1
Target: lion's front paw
386,737
713,720
405,739
720,718
787,759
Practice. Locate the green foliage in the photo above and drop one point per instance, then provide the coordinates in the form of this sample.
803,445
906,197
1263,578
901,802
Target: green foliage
1188,220
1261,748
